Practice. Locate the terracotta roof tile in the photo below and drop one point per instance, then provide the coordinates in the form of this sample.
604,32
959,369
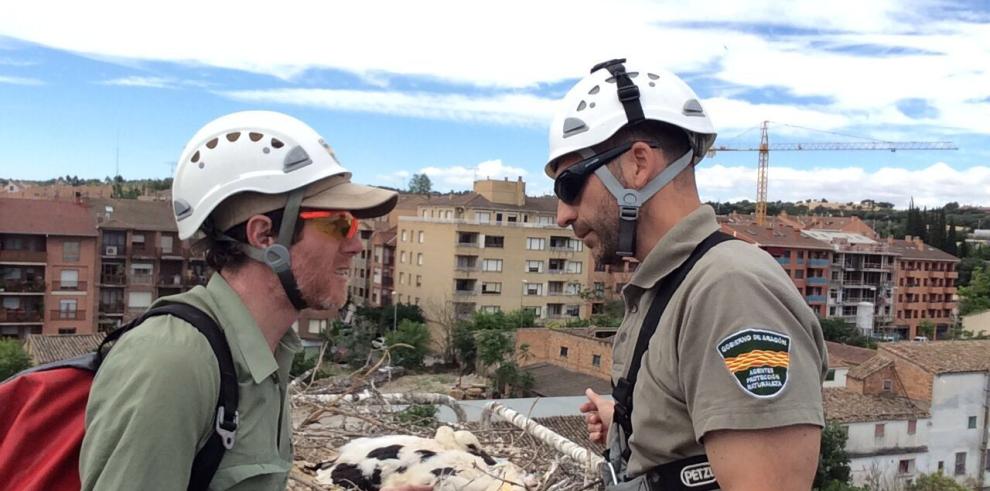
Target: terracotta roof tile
845,406
46,349
46,217
943,356
846,355
775,234
553,381
911,250
134,214
869,367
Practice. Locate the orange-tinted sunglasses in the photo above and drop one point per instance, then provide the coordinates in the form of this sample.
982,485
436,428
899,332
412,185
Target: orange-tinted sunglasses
337,224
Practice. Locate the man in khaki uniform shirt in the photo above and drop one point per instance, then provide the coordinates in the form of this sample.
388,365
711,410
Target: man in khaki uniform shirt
278,217
735,366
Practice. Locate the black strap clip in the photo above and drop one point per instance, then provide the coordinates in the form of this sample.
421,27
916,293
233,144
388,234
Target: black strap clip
628,93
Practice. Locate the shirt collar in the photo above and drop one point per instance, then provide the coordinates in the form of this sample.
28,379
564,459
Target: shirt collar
245,336
675,247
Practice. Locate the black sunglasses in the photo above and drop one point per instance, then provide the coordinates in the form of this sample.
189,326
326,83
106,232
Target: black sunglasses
568,185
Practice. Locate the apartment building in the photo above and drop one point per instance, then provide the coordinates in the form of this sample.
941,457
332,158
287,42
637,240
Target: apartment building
950,380
141,258
47,268
383,267
925,287
861,286
56,192
359,285
807,261
491,250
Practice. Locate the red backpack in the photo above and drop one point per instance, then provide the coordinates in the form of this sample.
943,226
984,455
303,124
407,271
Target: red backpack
43,410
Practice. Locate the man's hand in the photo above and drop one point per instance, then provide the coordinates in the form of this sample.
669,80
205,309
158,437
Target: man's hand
598,415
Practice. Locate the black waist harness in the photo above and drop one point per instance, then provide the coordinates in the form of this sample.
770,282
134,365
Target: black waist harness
692,473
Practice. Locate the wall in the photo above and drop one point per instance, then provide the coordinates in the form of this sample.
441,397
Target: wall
956,397
85,295
871,456
545,344
839,380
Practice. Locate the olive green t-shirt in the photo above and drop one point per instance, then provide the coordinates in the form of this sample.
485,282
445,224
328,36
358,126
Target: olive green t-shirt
153,402
737,347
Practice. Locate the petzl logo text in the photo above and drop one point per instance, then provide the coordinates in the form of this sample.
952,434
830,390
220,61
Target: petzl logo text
697,475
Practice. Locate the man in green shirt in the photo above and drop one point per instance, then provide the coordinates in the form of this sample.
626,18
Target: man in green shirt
277,215
728,391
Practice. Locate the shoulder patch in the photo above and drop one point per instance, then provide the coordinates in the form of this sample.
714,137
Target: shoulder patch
758,359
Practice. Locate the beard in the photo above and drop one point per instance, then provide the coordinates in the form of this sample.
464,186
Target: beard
606,228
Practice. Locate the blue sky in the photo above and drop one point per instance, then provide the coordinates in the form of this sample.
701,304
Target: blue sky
461,89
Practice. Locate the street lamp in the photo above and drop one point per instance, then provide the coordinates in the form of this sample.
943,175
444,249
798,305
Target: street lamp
395,310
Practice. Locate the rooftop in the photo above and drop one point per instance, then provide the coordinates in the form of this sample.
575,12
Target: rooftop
46,217
543,204
773,234
845,406
133,214
916,249
869,367
553,381
844,355
47,349
940,357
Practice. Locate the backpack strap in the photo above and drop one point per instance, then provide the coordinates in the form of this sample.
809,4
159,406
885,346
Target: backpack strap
227,417
622,391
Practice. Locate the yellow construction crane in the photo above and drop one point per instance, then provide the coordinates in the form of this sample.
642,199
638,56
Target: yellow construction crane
765,148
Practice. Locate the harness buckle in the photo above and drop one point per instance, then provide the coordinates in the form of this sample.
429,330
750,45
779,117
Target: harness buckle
227,429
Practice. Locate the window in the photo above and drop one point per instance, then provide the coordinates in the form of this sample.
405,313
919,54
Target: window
446,215
167,243
402,257
888,385
831,375
70,251
417,300
491,288
496,241
972,422
511,219
483,216
574,267
67,330
491,265
960,463
419,280
419,259
799,274
69,279
905,466
535,243
420,236
878,431
596,360
941,466
912,426
67,309
402,278
534,266
563,351
139,300
404,236
491,309
138,240
533,289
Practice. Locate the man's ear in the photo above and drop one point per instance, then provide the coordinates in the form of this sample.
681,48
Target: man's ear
259,232
643,163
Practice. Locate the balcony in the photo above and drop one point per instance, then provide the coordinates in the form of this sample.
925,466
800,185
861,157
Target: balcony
819,263
141,279
113,251
141,251
114,279
556,271
22,286
21,316
817,280
18,256
113,308
815,299
784,261
466,293
68,315
68,286
173,254
170,280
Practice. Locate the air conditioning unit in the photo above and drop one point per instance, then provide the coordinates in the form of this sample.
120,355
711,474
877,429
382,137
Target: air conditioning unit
111,251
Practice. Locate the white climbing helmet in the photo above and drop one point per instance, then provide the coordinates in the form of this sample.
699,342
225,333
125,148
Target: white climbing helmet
594,109
253,158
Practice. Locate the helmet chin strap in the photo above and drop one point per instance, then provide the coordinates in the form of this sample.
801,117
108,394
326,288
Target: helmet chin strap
277,256
630,200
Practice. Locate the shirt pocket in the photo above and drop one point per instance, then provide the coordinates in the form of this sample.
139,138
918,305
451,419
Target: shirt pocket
251,476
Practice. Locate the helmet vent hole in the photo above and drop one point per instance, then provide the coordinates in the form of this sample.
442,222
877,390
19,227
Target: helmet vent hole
232,137
653,76
653,84
195,157
255,136
212,144
277,143
581,106
633,74
594,90
202,164
266,150
592,105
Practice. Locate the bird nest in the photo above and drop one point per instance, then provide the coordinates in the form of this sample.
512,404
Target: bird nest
323,423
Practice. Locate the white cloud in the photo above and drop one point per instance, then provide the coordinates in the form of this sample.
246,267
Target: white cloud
153,82
931,186
20,80
516,109
16,62
461,177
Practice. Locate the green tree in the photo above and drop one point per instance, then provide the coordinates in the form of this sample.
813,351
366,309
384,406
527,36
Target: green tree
843,332
382,317
926,328
13,358
414,334
952,239
420,183
833,462
935,482
975,297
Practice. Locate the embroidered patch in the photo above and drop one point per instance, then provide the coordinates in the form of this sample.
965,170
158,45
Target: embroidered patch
758,360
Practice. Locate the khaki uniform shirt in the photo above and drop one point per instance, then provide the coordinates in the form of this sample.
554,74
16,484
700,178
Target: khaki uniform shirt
737,347
153,401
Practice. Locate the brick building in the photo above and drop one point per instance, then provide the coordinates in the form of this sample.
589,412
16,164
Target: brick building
587,351
48,264
925,287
